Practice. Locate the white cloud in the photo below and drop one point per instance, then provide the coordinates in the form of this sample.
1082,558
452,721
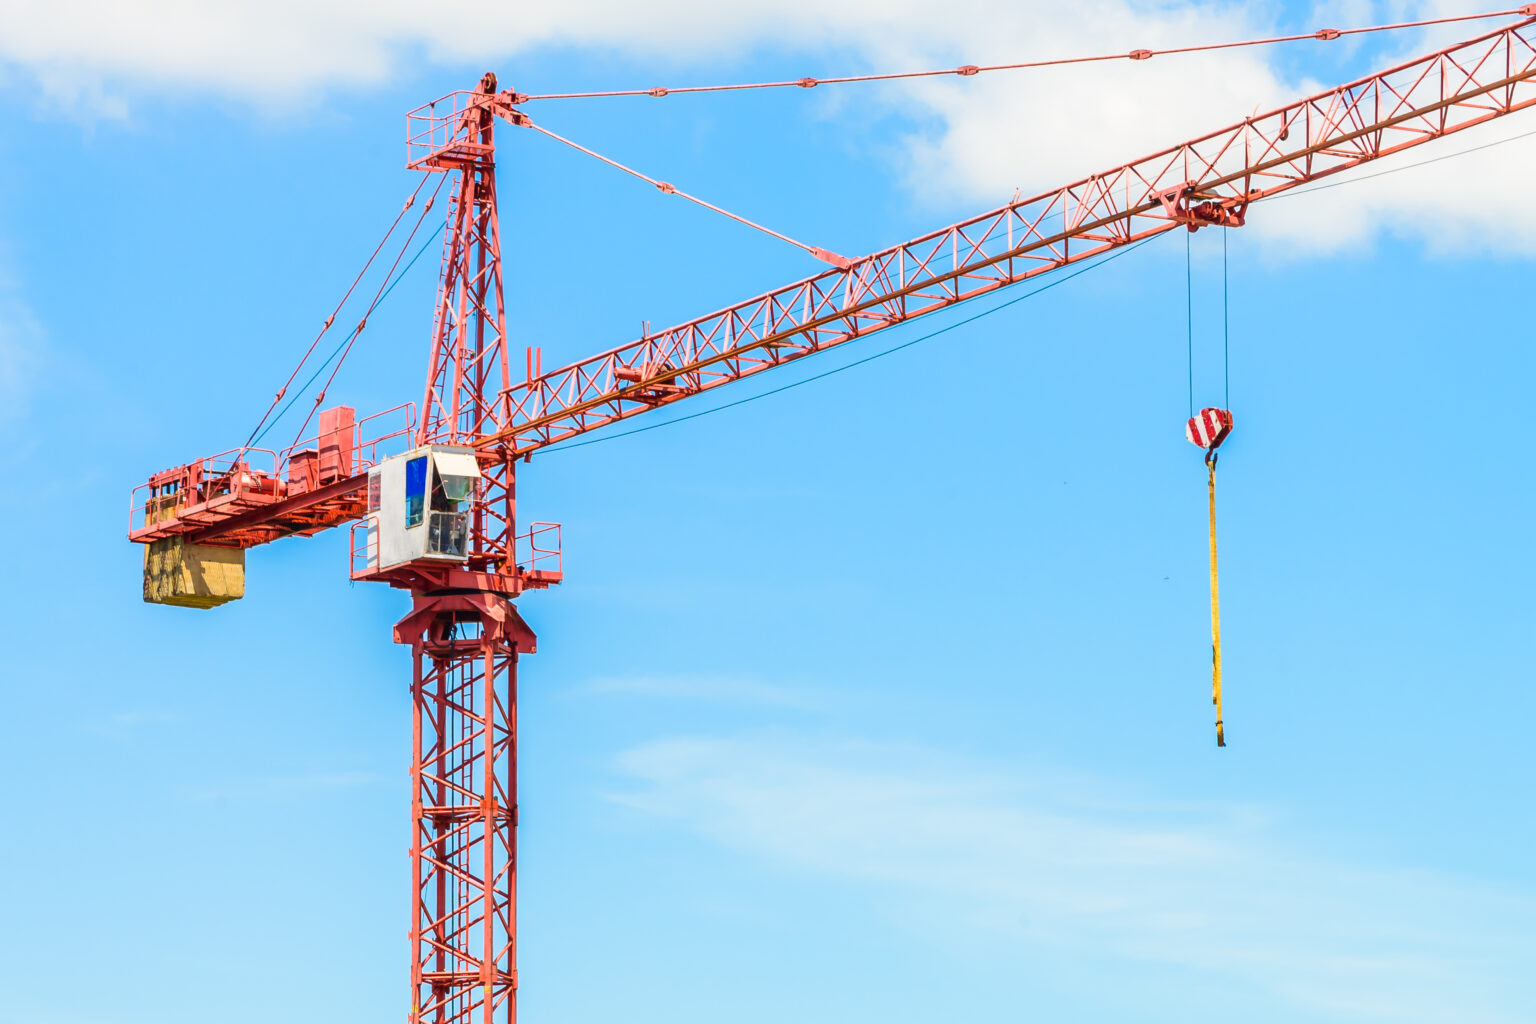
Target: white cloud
127,724
21,340
283,787
978,139
710,689
1043,857
1457,205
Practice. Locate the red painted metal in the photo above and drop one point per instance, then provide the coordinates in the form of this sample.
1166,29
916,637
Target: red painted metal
465,633
463,630
967,70
337,435
464,651
666,187
1209,181
249,496
539,563
1208,428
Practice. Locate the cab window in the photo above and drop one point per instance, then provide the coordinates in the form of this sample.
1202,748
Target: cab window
415,491
450,492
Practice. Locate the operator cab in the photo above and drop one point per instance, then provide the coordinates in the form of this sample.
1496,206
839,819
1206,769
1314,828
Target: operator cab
418,506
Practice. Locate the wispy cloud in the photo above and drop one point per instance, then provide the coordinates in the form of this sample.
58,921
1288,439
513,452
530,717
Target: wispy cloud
707,688
1043,857
976,138
121,724
21,338
280,787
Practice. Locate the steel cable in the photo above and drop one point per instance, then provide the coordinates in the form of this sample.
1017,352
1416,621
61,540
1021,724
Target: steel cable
968,70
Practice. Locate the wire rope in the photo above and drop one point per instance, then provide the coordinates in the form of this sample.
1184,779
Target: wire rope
1226,332
264,427
968,70
858,362
1189,320
411,201
1394,170
377,298
346,341
825,255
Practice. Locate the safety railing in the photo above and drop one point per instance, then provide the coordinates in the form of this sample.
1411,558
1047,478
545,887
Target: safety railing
434,136
364,547
236,473
539,556
358,447
539,550
242,478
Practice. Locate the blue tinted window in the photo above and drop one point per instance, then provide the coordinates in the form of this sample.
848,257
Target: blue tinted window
415,490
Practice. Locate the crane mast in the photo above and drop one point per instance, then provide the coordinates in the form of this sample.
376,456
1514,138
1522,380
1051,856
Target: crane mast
464,630
465,639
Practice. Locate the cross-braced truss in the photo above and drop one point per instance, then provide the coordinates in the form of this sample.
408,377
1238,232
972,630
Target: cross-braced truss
1210,180
465,634
464,778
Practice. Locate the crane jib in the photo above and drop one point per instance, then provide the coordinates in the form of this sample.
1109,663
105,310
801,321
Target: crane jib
1209,181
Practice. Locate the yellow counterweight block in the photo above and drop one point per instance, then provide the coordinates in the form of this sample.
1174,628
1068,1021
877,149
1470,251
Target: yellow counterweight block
192,575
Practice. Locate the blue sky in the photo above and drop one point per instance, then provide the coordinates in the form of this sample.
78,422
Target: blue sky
882,697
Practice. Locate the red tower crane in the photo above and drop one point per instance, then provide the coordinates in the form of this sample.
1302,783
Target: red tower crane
433,501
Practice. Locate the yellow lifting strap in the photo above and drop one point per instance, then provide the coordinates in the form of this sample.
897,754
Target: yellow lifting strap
1221,738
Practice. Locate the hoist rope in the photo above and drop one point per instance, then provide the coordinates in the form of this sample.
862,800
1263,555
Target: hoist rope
825,255
1189,325
1221,735
1210,451
967,70
263,426
1226,333
1189,320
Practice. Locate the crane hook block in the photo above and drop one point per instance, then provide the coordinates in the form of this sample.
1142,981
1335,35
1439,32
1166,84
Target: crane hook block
1209,428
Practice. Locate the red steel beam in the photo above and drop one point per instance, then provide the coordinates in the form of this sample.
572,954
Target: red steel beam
1210,180
465,651
289,515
